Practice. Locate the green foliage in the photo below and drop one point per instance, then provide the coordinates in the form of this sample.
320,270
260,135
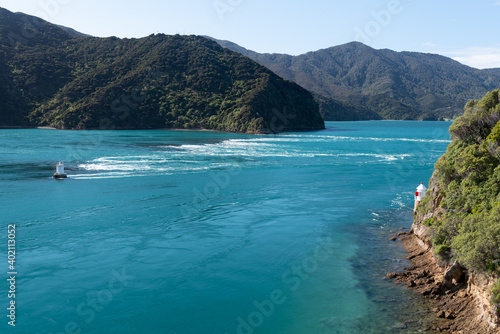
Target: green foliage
442,233
371,84
495,291
154,82
468,176
478,120
429,222
478,241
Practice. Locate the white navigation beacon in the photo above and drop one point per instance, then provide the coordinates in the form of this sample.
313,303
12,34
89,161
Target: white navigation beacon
420,193
60,174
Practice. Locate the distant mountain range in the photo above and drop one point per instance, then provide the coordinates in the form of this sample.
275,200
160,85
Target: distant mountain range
354,81
55,76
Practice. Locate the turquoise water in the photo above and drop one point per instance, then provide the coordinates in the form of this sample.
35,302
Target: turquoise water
206,232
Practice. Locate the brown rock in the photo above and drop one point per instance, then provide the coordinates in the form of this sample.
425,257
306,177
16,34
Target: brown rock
433,280
400,326
453,274
393,239
391,275
427,291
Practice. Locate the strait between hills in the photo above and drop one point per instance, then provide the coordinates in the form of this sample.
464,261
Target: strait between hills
55,76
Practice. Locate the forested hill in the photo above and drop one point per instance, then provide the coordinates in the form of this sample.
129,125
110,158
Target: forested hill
49,76
371,84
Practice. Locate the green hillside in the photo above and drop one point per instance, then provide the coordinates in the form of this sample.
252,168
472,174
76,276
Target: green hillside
69,81
392,85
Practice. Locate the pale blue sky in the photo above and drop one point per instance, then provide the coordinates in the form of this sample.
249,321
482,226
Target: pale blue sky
465,30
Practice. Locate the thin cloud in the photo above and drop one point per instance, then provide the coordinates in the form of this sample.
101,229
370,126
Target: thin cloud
478,57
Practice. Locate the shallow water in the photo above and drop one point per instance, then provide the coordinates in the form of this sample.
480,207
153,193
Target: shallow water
206,232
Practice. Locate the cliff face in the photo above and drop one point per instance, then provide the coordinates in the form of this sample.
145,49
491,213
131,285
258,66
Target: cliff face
479,285
459,219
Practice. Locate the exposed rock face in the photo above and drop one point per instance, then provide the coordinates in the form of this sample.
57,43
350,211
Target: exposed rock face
460,302
453,274
479,287
466,296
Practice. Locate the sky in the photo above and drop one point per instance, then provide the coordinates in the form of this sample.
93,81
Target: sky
467,31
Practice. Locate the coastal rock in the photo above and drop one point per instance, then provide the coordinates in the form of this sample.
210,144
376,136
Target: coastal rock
421,232
453,274
458,305
400,326
391,275
449,315
479,288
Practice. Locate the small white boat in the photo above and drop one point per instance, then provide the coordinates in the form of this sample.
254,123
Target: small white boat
60,174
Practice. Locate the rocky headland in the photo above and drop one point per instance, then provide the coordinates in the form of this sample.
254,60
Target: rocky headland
460,299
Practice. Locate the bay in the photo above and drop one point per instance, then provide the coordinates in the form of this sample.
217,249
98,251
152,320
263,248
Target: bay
206,232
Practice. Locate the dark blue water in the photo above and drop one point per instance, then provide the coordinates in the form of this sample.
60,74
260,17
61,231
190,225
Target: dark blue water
206,232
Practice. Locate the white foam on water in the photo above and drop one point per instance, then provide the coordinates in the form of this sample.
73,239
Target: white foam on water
195,158
388,157
101,176
312,138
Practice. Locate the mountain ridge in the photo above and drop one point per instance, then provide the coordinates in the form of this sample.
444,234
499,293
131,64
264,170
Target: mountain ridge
49,77
390,84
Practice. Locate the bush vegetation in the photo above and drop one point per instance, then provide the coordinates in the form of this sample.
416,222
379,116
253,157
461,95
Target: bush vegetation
468,176
56,79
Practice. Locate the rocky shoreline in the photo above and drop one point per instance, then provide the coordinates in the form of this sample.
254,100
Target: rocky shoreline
449,288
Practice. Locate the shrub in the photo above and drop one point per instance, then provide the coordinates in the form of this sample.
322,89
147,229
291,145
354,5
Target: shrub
495,294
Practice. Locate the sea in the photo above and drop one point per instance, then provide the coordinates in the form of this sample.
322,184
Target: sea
202,232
